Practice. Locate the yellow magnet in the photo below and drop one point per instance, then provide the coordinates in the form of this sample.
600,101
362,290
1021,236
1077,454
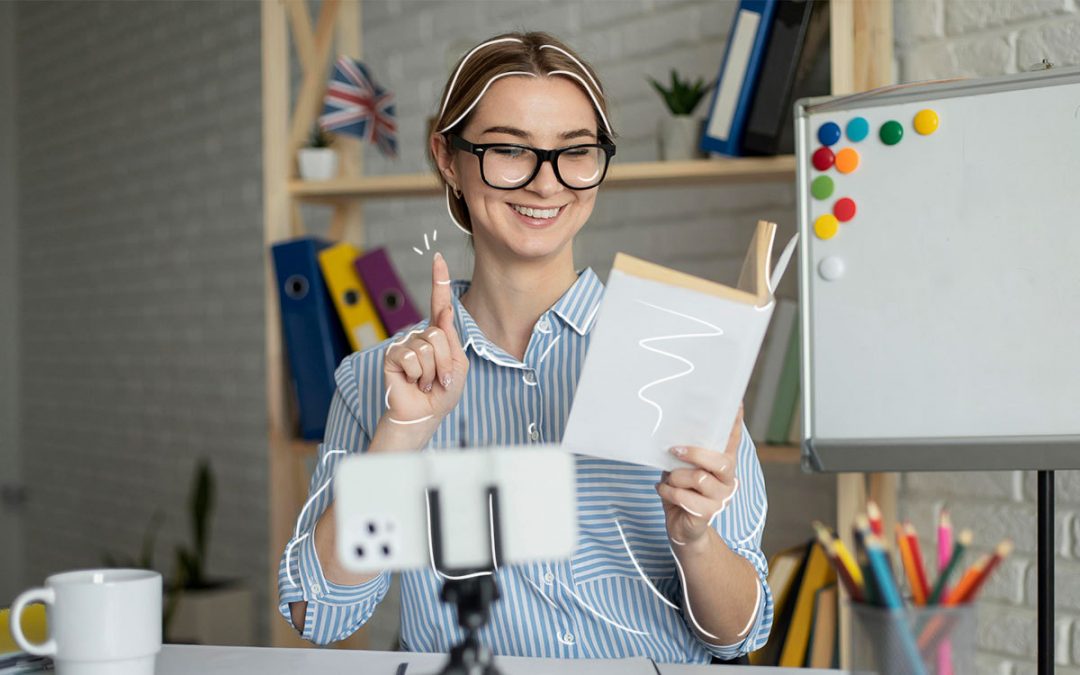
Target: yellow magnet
926,122
847,160
826,226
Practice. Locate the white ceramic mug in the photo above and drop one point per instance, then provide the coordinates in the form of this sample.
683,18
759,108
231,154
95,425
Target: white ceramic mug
105,621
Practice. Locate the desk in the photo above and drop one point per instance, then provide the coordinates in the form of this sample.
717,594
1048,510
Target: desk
198,660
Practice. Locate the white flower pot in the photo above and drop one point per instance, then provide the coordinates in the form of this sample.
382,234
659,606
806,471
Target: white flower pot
678,137
318,163
216,616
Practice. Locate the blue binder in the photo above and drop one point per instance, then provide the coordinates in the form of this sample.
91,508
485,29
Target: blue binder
735,85
315,341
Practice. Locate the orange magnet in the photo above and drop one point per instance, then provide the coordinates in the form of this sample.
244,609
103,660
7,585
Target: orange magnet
826,226
926,122
844,209
847,160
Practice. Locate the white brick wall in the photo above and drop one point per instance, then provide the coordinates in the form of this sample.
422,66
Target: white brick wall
140,228
943,38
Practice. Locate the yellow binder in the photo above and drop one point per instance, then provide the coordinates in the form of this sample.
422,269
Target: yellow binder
352,301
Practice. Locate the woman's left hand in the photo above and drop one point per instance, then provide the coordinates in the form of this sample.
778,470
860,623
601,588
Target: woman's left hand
692,496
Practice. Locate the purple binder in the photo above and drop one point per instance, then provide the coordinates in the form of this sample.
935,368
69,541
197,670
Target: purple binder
384,285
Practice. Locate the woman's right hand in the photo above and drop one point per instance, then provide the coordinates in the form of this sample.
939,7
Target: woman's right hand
425,369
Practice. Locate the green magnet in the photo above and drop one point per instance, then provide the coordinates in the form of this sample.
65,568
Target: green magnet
891,132
822,187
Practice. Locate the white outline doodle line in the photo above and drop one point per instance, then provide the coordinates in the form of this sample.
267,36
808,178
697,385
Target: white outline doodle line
601,616
386,397
427,246
660,411
296,538
690,612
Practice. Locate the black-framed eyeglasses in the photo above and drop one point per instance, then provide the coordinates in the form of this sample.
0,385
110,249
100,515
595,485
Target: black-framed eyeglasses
509,166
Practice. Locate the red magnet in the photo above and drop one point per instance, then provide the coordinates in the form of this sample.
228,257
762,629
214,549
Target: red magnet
844,209
823,159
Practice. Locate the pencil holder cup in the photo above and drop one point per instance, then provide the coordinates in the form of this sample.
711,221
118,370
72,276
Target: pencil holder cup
913,641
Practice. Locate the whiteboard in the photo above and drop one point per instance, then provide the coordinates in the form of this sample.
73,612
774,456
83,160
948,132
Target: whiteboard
941,324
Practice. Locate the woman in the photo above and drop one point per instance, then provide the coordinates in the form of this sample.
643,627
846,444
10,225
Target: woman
668,565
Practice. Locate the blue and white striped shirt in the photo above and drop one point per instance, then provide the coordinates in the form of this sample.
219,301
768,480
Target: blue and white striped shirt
595,605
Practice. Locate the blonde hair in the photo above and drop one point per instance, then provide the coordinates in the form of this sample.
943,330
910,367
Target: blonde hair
533,54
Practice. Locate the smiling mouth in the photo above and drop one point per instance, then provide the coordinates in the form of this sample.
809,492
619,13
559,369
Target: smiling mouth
538,214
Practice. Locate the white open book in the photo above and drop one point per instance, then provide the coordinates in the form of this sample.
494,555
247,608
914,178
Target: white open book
670,357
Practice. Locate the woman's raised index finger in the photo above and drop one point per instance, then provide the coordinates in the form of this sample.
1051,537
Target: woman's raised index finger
440,286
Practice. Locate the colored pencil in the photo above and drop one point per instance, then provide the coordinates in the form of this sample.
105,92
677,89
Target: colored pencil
890,596
845,557
968,588
944,541
908,562
877,525
847,578
962,543
917,561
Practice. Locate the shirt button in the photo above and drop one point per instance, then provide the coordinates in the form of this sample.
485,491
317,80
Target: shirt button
534,433
543,325
529,377
318,590
568,638
549,577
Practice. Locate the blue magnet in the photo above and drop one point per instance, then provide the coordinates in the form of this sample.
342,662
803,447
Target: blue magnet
829,133
858,129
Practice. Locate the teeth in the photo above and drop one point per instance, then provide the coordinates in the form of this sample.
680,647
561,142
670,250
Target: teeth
535,213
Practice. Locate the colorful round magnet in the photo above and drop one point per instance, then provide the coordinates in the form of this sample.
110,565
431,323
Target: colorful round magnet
891,132
926,122
822,159
831,268
826,226
844,209
857,129
828,133
847,160
822,187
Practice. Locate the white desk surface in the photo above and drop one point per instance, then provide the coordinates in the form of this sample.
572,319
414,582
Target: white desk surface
200,660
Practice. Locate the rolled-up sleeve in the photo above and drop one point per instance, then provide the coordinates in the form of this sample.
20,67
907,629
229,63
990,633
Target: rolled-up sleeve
334,611
740,526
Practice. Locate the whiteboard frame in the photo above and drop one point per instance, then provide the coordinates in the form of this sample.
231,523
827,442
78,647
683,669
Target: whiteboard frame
1002,453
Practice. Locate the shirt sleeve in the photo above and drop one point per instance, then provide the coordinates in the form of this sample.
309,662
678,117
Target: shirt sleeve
333,611
740,526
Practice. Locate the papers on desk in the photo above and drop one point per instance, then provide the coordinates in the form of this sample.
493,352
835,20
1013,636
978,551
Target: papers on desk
17,663
670,357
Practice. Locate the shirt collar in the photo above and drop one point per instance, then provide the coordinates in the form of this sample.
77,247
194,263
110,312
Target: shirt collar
576,308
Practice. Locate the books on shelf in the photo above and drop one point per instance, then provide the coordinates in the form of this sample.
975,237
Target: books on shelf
777,52
770,367
328,311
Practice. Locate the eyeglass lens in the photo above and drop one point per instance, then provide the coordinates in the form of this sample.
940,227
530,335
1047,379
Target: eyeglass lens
511,166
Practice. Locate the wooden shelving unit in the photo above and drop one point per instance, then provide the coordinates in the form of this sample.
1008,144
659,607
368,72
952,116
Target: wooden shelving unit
861,59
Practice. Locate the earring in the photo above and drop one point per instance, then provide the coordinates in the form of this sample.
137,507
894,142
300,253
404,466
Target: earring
457,193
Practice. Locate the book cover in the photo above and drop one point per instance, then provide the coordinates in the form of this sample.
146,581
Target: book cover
354,306
796,65
820,652
693,344
787,392
314,339
770,366
819,573
783,608
738,78
392,301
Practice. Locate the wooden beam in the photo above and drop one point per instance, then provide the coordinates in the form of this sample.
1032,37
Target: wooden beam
303,38
348,223
307,102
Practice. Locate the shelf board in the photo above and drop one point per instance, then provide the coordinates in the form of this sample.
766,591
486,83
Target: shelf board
635,174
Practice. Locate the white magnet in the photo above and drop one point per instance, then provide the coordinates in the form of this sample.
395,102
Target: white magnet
831,268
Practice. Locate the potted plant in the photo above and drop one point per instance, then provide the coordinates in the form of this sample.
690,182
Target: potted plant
680,134
318,161
201,609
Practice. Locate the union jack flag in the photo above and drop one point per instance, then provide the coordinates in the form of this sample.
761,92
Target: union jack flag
354,104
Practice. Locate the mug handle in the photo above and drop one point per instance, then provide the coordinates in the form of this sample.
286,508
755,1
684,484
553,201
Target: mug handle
42,595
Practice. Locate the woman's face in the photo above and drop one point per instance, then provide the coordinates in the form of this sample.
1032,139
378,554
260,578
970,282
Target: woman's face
543,112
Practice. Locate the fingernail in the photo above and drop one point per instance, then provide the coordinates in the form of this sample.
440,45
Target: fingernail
427,388
678,451
447,380
437,256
